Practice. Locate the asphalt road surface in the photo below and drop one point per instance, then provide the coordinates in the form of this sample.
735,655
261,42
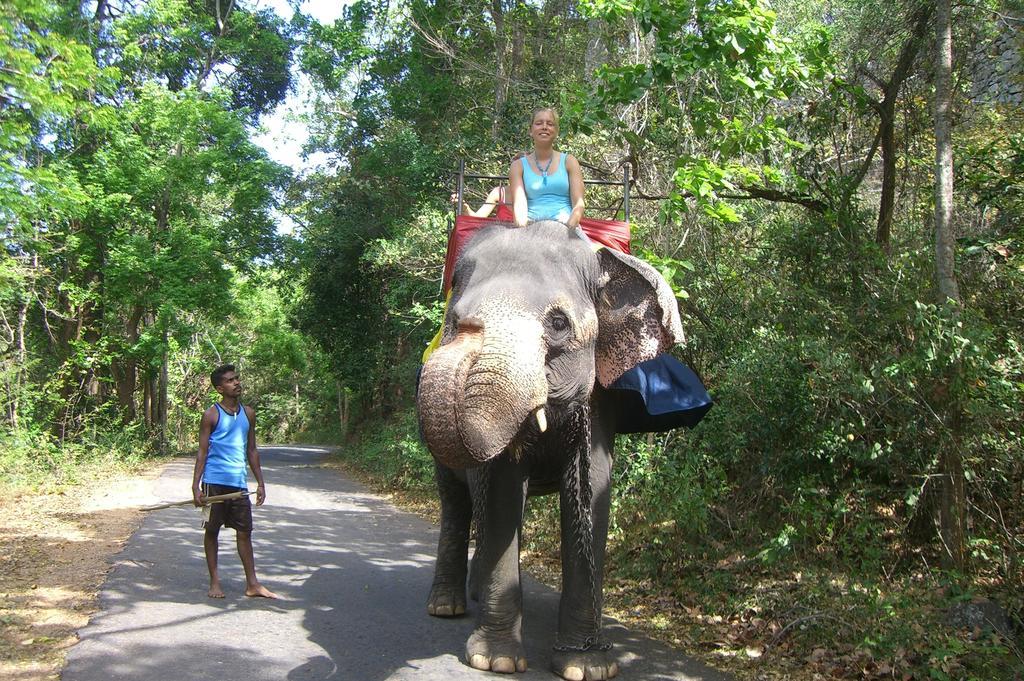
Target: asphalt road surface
353,573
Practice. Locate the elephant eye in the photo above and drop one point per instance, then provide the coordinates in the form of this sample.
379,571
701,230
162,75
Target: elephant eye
558,323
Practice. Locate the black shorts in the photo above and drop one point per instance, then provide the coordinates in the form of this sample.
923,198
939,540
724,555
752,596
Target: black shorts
233,513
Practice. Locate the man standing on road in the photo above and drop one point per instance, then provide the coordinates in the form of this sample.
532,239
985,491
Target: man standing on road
227,440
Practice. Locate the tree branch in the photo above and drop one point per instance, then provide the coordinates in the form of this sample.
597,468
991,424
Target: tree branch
752,193
816,205
872,77
859,176
222,28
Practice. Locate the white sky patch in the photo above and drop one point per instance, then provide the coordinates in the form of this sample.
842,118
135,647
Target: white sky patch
324,11
283,132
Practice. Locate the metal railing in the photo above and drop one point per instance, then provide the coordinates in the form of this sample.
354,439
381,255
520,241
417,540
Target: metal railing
622,204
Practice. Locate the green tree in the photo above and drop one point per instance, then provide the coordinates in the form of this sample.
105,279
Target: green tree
145,192
46,79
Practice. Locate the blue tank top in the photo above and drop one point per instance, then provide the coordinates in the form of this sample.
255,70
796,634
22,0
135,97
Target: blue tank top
547,200
225,461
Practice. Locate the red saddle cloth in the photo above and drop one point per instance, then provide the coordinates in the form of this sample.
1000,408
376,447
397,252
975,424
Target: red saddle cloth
611,233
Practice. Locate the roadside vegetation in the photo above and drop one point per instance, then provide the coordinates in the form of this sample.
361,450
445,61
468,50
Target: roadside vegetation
850,508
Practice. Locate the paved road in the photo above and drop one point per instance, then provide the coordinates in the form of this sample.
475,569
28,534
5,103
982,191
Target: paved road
354,572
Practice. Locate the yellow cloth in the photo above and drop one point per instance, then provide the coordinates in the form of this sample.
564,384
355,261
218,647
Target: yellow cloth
435,342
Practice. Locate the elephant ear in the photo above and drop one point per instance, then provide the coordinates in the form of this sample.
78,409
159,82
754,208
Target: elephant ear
637,313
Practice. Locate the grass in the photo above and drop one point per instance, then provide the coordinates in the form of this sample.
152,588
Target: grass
32,461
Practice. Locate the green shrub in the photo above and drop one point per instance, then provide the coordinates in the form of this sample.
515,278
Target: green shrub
391,451
38,460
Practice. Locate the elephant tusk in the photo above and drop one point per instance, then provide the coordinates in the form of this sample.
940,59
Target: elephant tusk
542,421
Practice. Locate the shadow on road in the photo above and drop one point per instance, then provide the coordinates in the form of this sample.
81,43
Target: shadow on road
354,574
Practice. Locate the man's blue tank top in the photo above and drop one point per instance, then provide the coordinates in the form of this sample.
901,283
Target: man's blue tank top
547,200
225,461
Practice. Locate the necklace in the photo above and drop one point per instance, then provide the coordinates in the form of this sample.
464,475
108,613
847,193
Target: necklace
544,170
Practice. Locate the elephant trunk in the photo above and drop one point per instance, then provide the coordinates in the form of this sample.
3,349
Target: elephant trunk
442,378
476,391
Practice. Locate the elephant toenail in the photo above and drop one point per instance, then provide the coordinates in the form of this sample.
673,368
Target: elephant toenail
503,665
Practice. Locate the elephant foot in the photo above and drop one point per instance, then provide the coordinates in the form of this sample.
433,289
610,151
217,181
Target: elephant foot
505,656
588,665
446,601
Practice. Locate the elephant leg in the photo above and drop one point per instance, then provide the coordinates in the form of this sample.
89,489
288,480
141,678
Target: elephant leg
579,651
448,593
497,642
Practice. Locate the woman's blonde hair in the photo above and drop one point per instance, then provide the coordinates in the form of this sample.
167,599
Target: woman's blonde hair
551,110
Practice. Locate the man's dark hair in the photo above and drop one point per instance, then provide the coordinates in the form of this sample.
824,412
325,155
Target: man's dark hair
218,374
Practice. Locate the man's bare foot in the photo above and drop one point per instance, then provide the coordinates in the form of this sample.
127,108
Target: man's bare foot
215,591
259,591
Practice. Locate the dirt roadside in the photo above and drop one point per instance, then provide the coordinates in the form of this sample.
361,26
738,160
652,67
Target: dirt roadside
55,551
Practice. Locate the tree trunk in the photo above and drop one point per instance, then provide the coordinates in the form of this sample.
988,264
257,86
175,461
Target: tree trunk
147,402
953,508
886,109
887,203
944,243
342,408
162,411
149,415
125,370
22,355
399,385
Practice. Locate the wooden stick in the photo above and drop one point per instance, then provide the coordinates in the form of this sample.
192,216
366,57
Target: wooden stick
206,502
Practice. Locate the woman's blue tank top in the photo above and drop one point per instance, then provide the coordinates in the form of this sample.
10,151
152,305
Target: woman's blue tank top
547,200
225,461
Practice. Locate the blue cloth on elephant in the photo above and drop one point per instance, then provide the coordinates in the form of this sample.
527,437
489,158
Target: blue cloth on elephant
659,394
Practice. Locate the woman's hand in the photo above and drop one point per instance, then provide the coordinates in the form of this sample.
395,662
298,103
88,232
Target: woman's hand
466,210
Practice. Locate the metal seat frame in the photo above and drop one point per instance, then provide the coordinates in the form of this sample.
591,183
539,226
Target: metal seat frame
462,175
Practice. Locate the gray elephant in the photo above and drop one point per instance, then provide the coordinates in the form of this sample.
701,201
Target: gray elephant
514,403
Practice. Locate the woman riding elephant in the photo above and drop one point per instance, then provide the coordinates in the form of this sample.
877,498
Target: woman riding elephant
515,401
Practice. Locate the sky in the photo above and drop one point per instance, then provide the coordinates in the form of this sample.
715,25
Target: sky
284,135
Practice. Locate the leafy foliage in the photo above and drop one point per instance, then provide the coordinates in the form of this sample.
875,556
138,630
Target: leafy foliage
133,199
769,144
760,134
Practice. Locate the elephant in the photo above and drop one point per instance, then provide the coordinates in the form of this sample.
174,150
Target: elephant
514,403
